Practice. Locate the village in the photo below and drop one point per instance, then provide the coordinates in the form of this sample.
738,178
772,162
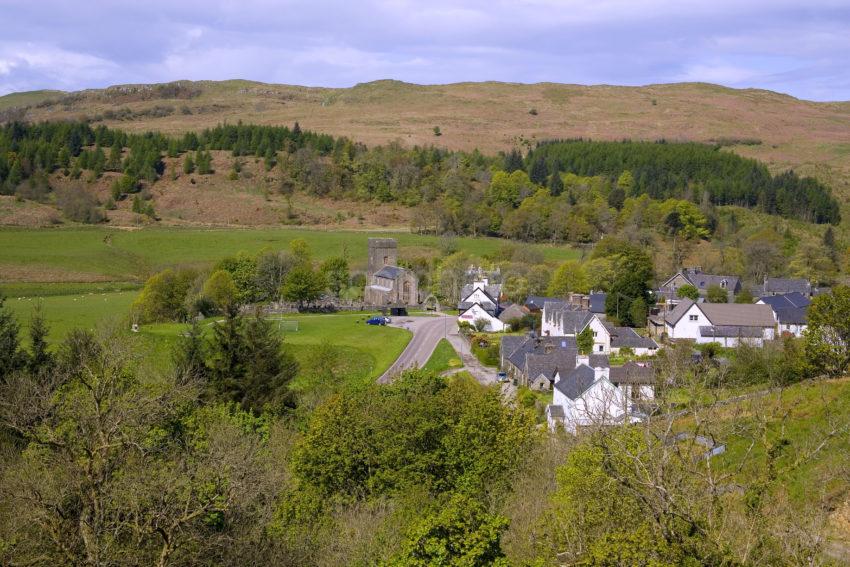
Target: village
568,351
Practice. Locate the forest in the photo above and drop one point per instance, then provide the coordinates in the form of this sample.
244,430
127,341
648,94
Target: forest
572,191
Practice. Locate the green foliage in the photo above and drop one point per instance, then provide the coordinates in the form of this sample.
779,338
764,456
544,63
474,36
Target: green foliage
569,277
336,273
303,284
462,533
585,341
716,294
634,272
220,289
664,170
243,269
164,296
687,291
827,338
11,357
744,296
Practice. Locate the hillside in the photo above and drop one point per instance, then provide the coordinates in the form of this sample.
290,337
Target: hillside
812,137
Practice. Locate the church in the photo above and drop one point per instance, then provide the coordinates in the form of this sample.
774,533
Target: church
388,284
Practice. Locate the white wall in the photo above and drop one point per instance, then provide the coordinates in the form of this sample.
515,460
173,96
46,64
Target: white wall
685,328
478,296
471,315
601,336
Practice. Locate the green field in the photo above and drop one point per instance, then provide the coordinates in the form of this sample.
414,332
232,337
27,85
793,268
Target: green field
103,254
443,358
340,344
66,312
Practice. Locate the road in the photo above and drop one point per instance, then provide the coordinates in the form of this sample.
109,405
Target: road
427,332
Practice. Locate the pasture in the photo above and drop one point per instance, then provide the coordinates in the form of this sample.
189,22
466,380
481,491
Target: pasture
99,254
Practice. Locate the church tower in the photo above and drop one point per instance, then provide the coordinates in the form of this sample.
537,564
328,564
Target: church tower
382,252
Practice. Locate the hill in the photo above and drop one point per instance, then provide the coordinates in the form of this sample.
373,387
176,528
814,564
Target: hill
811,137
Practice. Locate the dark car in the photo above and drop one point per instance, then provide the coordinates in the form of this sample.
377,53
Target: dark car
377,321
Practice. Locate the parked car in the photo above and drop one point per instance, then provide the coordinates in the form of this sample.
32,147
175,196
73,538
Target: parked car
377,321
502,377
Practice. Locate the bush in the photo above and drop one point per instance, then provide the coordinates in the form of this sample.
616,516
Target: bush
79,205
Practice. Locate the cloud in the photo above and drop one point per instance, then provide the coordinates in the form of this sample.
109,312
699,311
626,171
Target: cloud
785,45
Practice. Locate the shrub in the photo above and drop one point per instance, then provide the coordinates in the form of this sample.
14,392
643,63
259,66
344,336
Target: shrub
79,205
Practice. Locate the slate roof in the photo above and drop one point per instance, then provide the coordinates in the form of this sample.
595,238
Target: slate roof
515,351
559,360
389,272
511,312
792,316
571,319
537,301
598,361
628,338
703,281
727,314
576,382
747,315
464,305
787,285
597,302
730,331
631,373
786,301
493,290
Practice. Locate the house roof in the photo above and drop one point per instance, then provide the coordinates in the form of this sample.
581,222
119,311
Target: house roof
785,301
628,338
703,281
515,351
598,361
390,272
559,360
488,311
727,314
792,315
746,314
787,285
537,301
493,291
511,312
597,302
730,331
576,382
632,373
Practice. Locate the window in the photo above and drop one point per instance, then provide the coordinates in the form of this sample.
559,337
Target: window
694,317
594,334
601,348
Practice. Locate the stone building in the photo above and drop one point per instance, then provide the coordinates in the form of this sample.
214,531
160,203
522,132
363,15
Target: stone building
387,283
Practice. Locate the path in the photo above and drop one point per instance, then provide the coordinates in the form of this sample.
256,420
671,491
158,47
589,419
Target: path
427,332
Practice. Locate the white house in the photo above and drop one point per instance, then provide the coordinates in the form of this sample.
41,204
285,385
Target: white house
791,311
726,323
562,320
590,396
476,312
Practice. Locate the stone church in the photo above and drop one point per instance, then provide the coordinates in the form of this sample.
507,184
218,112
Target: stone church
388,284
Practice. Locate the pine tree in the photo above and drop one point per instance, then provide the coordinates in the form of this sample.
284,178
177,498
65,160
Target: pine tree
513,161
188,164
268,369
189,356
539,171
40,360
227,356
556,183
11,357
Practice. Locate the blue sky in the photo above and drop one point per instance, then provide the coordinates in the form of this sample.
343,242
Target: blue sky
801,48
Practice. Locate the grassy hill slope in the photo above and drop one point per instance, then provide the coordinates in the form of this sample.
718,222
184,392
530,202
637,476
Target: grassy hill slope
811,137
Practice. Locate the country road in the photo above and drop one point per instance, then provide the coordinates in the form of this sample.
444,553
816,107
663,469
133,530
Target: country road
427,332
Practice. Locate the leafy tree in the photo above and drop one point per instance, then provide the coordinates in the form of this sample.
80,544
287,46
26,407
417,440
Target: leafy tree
163,297
221,290
716,294
303,284
461,533
243,270
827,339
638,312
569,277
616,198
744,296
687,291
585,341
336,273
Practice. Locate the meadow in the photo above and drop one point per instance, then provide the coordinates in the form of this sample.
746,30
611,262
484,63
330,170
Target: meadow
109,255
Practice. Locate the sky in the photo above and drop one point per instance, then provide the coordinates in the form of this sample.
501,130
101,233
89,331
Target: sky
797,47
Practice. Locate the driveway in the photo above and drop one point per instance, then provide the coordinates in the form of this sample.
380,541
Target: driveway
427,332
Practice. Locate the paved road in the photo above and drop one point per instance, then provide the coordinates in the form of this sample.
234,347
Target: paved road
427,332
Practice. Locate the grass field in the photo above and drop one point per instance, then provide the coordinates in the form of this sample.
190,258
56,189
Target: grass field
103,254
443,358
66,312
340,344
